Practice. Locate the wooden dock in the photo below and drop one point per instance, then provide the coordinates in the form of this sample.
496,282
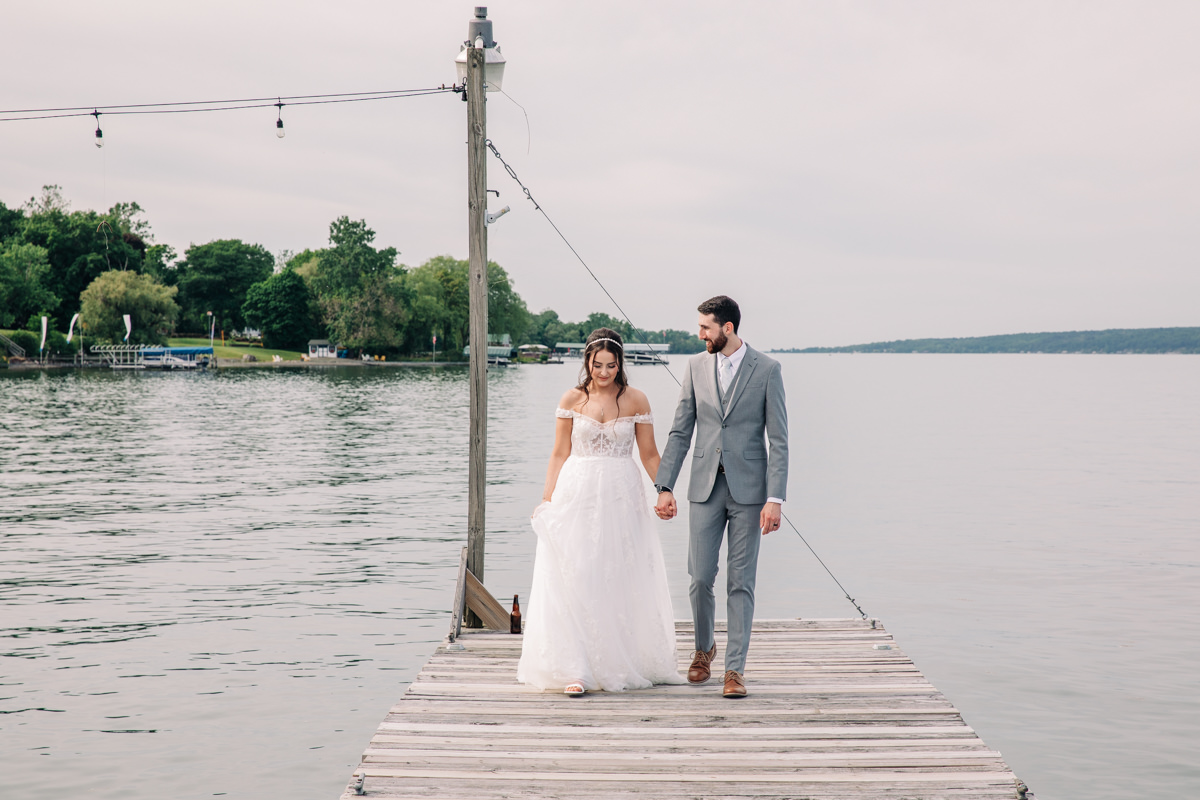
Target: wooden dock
836,710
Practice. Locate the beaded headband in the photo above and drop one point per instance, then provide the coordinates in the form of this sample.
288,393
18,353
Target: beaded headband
597,341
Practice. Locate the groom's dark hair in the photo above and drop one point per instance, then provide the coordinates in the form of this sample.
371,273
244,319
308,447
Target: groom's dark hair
723,310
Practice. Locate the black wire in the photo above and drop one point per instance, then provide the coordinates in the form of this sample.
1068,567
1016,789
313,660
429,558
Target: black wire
637,331
220,105
604,289
223,102
853,602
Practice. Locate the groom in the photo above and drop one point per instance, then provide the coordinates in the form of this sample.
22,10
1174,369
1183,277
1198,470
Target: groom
733,397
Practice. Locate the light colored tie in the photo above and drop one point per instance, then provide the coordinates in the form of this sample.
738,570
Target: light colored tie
725,373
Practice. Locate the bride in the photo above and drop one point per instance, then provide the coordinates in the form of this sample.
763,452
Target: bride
599,614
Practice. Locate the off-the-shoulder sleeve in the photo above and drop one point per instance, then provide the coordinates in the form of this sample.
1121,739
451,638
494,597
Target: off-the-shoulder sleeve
564,413
646,419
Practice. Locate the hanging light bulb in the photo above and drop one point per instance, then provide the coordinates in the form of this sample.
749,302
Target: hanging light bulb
279,131
99,133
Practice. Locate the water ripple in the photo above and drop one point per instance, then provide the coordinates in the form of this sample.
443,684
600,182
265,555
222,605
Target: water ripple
245,568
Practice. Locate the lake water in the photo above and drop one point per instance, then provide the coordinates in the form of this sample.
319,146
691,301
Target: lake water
216,585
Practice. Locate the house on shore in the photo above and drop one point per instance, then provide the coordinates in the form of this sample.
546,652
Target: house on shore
322,348
500,349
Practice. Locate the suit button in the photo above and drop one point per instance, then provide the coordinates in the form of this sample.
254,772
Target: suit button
718,449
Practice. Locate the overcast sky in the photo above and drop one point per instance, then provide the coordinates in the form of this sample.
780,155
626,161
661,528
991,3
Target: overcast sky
849,172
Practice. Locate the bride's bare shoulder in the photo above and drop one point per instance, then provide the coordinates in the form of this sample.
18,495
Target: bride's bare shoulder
638,402
572,398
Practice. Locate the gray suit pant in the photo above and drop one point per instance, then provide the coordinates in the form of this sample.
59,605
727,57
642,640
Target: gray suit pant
708,521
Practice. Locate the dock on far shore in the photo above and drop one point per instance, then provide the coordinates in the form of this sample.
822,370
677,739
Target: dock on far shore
836,710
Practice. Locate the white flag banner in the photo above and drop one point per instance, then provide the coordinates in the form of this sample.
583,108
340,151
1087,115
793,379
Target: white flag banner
44,323
71,328
128,327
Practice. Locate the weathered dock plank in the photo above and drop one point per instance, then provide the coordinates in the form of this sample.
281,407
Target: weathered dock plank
836,710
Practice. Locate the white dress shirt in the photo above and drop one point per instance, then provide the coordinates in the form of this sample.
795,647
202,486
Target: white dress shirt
735,360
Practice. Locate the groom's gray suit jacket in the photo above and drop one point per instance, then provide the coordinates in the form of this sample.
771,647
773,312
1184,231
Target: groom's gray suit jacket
746,430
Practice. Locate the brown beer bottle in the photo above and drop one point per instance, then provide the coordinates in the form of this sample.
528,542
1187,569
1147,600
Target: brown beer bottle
514,619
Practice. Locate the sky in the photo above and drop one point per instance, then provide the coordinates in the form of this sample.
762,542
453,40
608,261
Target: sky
848,172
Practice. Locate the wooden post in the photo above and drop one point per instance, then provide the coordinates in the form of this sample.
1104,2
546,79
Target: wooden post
477,205
460,598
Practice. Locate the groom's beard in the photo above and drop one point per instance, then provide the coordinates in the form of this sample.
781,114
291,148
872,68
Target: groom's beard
716,344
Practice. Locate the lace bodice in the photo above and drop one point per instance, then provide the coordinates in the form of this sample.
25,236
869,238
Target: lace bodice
592,438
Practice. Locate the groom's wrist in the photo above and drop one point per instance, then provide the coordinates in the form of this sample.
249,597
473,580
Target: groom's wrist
660,488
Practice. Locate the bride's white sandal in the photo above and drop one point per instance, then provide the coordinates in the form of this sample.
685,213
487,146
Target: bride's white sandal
575,690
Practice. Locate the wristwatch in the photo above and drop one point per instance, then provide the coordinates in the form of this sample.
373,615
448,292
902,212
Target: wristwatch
662,488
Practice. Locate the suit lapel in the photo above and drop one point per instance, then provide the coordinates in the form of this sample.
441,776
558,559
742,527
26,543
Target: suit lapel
710,381
741,378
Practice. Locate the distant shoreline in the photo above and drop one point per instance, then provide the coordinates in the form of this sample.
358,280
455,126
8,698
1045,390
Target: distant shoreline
235,363
1116,341
317,363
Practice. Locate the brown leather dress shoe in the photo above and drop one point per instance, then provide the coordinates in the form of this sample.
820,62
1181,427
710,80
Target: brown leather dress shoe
735,686
701,668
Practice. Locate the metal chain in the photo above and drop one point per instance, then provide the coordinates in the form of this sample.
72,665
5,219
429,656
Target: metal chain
513,174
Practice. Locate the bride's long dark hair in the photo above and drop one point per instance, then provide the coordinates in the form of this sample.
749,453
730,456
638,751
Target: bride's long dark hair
596,343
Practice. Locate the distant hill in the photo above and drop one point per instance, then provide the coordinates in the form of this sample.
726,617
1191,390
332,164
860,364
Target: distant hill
1120,340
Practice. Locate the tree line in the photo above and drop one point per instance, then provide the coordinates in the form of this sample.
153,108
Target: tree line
1115,340
56,262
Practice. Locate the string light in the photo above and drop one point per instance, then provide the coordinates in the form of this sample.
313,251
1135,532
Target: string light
99,133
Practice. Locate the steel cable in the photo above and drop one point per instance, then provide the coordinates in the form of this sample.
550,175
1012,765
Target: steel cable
637,331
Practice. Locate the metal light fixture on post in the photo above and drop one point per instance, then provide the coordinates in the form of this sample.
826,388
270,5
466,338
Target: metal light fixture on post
480,68
479,36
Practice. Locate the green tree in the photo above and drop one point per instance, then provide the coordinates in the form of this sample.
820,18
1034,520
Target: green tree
440,300
215,277
158,264
82,244
27,341
56,340
305,264
439,303
548,329
507,312
359,289
682,341
352,258
24,271
282,308
564,332
598,319
372,318
10,221
151,305
538,324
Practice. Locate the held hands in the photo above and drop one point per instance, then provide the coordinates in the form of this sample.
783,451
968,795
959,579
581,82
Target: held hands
666,508
768,518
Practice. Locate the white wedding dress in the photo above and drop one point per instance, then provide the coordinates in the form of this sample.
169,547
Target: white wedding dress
599,608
